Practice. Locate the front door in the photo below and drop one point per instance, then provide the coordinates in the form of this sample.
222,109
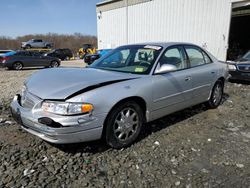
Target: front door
172,90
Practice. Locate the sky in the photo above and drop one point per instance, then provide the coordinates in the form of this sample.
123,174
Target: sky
21,17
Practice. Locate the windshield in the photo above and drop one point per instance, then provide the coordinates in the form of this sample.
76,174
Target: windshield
137,59
247,56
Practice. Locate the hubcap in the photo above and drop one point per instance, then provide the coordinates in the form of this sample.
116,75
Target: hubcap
217,94
55,64
126,124
18,66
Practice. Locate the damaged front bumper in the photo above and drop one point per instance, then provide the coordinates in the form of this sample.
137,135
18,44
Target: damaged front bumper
68,129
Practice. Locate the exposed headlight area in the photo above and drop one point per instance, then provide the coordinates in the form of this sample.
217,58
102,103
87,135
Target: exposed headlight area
232,67
65,108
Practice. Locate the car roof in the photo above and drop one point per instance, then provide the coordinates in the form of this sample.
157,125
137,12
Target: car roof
163,44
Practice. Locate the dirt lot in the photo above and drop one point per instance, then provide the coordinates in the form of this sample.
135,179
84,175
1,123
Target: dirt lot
196,147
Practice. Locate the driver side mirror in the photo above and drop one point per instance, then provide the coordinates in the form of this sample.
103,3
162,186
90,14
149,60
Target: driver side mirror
165,68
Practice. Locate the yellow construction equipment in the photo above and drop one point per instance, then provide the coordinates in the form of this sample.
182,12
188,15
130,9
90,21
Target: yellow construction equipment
86,49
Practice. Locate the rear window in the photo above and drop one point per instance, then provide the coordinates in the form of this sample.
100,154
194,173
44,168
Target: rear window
4,51
197,56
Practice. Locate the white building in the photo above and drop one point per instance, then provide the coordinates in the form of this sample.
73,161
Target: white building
203,22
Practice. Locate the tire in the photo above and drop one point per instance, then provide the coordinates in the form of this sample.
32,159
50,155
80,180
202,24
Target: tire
216,95
48,46
27,47
66,58
17,66
54,64
123,125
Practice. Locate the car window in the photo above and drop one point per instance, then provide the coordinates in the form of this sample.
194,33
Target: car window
137,59
195,56
174,56
247,55
206,57
144,55
4,51
23,54
117,59
38,40
36,54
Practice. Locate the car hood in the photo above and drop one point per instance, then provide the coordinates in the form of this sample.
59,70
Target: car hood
63,83
243,61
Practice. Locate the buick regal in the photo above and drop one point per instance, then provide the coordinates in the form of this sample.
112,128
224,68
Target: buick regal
117,94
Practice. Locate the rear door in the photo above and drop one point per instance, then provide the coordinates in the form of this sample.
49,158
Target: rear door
24,57
38,43
202,71
172,90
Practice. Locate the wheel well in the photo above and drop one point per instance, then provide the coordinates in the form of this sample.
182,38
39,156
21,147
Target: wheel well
17,62
54,61
222,79
140,101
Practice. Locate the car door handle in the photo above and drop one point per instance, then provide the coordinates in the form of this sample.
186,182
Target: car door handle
188,78
212,72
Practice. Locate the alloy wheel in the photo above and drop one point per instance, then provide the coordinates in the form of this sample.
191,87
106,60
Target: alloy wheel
217,94
18,66
126,124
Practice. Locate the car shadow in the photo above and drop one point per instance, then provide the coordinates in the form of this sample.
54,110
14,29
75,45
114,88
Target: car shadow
100,146
243,82
28,69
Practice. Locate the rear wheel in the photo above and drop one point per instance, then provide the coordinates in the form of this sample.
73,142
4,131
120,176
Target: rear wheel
123,125
48,46
66,58
216,95
54,64
27,47
17,66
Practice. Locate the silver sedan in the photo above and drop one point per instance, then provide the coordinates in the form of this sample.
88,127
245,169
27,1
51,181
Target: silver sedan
118,93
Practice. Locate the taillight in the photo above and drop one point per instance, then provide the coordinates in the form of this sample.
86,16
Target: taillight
4,59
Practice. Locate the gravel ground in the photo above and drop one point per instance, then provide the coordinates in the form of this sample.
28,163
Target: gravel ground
197,147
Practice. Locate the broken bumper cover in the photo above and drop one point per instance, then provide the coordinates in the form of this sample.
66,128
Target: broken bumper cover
73,129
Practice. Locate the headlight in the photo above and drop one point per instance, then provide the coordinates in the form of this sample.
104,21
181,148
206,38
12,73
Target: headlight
64,108
231,67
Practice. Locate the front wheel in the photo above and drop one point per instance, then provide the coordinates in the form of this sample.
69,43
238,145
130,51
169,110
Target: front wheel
123,125
216,95
27,47
54,64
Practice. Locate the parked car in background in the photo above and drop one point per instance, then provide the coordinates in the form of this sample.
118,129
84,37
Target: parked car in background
21,59
240,68
150,81
36,43
63,54
2,52
89,59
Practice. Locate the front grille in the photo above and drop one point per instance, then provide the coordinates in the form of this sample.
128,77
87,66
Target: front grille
244,68
27,100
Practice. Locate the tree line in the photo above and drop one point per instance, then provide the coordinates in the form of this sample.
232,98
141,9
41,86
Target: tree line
73,41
